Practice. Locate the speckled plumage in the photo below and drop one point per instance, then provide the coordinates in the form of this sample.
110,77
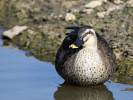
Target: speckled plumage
83,66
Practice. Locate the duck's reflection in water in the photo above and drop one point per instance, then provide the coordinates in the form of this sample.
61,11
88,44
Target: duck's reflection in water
68,92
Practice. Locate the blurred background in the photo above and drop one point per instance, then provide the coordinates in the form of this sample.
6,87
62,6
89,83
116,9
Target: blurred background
45,22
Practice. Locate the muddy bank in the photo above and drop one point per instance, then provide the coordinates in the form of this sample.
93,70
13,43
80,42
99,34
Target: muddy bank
46,21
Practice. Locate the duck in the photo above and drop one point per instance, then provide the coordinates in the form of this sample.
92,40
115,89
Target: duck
85,58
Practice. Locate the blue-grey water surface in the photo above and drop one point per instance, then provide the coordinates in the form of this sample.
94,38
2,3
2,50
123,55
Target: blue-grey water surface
26,78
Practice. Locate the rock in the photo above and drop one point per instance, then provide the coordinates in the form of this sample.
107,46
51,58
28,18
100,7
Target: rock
130,3
12,33
104,0
112,8
117,2
70,16
69,4
94,4
31,32
88,11
101,14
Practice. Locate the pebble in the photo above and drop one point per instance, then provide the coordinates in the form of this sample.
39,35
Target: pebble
112,8
69,4
101,14
12,33
130,3
94,4
104,1
117,2
70,16
31,32
88,11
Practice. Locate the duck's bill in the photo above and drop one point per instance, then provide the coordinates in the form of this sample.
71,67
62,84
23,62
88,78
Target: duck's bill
78,43
73,46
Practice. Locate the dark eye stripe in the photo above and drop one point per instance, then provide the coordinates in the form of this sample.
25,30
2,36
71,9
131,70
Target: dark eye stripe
90,32
86,39
85,34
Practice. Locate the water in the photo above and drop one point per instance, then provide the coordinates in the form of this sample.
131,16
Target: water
26,78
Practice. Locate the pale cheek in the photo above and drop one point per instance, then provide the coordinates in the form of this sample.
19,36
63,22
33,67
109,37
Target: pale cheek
91,41
86,44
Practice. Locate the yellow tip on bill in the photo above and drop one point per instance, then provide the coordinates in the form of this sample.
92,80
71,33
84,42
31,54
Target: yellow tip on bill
73,46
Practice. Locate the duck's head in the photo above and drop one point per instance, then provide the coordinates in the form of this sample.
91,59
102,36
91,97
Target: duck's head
86,37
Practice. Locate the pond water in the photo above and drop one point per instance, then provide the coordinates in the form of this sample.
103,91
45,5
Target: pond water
26,78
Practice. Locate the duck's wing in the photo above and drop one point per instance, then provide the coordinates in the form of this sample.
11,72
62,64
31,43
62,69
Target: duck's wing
65,54
106,52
